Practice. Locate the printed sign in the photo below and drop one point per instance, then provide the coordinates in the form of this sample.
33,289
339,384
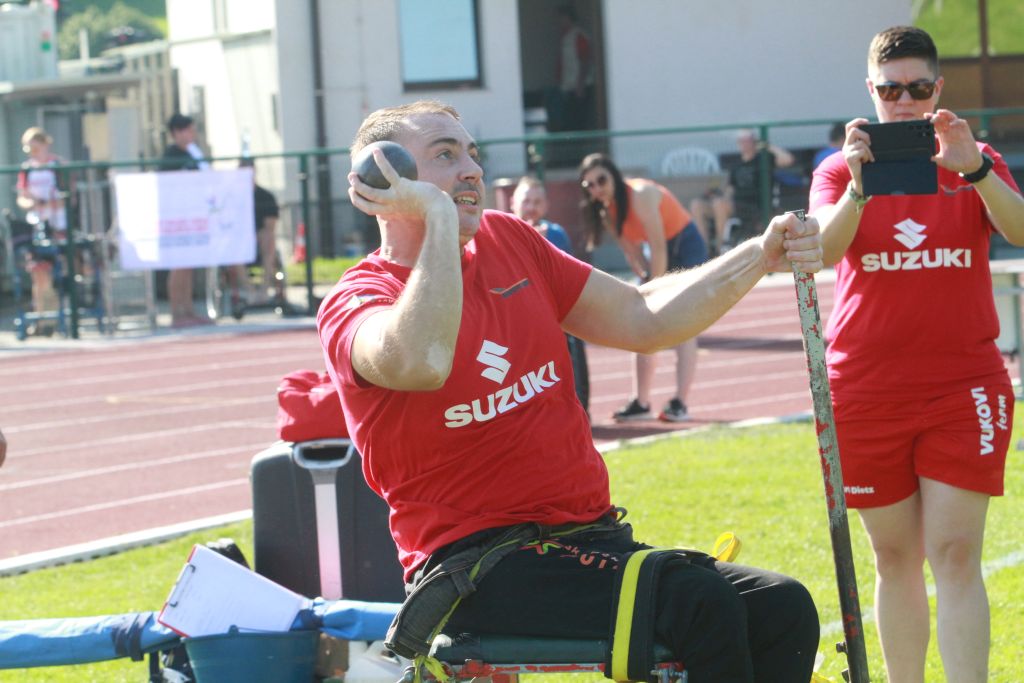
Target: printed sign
185,219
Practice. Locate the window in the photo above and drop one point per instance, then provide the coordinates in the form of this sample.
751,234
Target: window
439,42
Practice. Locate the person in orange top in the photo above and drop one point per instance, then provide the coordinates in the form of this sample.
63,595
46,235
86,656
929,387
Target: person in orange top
657,235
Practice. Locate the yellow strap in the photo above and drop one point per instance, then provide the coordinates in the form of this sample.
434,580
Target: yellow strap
432,665
727,547
624,614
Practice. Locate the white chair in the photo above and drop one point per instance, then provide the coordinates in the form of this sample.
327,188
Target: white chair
689,161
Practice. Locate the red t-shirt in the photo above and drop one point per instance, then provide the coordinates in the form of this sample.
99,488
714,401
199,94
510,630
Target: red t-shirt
914,315
505,440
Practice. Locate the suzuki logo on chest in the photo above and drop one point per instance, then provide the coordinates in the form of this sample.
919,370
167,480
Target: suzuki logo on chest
910,234
492,355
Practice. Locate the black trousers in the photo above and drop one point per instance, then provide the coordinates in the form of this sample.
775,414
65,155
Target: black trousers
726,622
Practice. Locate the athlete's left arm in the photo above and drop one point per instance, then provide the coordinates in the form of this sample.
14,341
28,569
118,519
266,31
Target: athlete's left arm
959,153
678,306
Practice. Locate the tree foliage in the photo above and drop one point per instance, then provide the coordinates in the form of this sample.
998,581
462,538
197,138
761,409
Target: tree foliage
120,24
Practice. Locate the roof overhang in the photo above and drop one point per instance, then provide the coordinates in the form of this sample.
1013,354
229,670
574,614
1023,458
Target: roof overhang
66,88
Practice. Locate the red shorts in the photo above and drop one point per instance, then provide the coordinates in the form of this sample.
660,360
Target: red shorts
960,439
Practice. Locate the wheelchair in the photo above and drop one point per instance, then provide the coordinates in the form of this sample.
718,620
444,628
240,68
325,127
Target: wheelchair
502,659
225,297
33,248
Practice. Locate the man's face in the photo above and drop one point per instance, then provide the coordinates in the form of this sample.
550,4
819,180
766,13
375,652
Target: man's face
447,156
530,204
747,144
183,137
905,71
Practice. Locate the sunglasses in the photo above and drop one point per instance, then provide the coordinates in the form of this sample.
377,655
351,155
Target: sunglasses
919,90
599,181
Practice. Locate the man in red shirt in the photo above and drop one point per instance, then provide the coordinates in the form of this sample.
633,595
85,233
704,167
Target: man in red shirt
447,348
924,405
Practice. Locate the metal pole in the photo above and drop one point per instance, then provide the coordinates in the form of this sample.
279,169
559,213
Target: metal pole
832,474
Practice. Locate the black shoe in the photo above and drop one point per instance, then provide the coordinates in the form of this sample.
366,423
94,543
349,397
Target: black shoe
634,410
674,411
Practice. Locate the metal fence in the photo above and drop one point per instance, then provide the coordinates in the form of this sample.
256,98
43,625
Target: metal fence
315,205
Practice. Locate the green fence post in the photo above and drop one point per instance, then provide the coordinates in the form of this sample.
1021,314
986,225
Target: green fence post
535,150
304,185
69,253
765,168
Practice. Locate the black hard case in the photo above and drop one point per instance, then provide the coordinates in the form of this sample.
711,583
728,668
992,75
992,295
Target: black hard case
286,480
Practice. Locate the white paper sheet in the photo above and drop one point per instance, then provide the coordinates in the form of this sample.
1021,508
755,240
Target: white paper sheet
214,593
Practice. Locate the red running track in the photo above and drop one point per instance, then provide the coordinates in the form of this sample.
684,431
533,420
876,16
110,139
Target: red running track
136,435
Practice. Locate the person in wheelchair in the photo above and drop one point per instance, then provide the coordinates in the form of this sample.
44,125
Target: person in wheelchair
739,204
447,348
271,286
42,200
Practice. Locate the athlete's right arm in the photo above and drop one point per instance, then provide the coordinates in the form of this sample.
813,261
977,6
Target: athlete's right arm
839,221
410,346
3,448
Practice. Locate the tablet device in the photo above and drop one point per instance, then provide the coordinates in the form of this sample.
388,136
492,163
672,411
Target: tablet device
902,165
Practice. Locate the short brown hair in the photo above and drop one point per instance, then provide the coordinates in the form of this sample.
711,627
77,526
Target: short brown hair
899,42
385,124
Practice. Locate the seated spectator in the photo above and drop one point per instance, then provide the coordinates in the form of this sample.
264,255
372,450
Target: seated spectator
741,198
266,214
836,136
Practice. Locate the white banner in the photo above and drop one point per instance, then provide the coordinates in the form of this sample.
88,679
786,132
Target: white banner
185,219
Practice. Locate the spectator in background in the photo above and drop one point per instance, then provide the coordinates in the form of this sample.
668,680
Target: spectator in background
836,137
40,196
657,236
741,198
265,214
575,72
38,191
530,202
183,154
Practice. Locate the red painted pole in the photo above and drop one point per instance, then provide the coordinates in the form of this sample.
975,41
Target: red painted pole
832,474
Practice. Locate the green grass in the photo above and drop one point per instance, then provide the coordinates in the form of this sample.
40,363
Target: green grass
326,271
764,484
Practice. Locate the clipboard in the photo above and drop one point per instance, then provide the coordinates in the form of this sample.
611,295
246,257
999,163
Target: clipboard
213,594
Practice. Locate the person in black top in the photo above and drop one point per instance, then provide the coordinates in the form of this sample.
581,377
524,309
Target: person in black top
265,213
742,196
182,154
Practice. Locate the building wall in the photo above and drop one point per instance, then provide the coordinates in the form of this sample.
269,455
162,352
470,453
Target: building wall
362,69
741,61
666,63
